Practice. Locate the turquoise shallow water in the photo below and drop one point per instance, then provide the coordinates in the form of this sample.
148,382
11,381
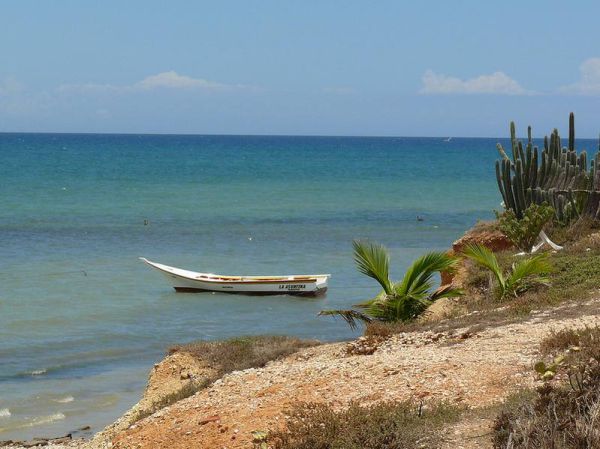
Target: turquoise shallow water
82,320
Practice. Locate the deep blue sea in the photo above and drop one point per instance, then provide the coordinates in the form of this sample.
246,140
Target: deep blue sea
82,320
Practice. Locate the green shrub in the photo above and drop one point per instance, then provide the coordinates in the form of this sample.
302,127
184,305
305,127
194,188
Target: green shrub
525,231
393,425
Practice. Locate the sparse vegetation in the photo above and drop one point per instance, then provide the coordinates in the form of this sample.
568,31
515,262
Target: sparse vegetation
400,301
559,415
397,425
576,232
226,356
186,391
575,276
560,341
241,353
523,274
384,330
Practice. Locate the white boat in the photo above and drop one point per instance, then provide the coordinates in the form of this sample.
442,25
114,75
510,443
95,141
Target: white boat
191,281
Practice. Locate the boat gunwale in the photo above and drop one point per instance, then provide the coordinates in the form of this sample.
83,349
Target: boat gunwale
221,282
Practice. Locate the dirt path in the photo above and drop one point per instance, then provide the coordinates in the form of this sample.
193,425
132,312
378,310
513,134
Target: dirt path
476,371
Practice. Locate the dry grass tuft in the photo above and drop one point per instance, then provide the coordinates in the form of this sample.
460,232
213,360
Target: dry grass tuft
398,425
558,416
562,340
379,329
242,353
573,233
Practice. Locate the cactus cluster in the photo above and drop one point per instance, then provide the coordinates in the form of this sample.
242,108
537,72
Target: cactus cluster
555,175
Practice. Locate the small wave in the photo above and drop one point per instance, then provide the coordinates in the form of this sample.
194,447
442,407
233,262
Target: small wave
65,400
38,421
44,420
38,372
4,413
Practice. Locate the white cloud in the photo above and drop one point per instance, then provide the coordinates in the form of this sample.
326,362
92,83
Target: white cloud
589,83
498,83
172,80
164,80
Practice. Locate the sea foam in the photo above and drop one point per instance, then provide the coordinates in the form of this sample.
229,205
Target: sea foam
4,413
45,419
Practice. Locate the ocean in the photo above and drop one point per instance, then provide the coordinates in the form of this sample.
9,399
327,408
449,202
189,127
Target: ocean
82,320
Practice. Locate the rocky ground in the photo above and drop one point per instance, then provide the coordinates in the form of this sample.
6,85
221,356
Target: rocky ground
473,369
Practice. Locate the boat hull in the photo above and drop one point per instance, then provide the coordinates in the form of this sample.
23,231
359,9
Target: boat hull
192,282
318,292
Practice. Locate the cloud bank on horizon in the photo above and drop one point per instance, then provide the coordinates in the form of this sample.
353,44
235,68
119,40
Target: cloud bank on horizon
139,106
432,83
163,80
499,83
496,83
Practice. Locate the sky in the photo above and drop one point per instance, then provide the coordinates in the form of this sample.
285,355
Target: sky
327,67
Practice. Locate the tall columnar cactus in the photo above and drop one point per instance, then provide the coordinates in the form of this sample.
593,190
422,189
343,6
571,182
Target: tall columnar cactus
571,132
556,175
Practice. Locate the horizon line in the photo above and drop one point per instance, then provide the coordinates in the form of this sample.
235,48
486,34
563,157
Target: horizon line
388,136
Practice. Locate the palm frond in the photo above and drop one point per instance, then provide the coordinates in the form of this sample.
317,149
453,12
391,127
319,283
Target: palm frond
379,308
352,317
373,260
486,258
382,296
407,308
418,277
530,270
446,291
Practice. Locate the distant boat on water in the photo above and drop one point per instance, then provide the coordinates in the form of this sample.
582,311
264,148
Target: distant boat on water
191,281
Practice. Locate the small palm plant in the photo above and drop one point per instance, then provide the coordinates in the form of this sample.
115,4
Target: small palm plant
523,274
401,301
